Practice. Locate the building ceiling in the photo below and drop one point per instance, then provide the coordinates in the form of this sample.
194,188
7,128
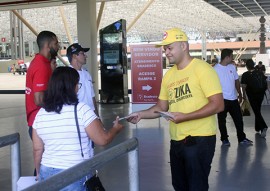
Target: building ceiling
213,19
242,8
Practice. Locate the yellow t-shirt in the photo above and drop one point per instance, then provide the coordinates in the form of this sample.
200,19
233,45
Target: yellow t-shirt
186,91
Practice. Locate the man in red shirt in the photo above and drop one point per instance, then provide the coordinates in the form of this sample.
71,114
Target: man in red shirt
38,74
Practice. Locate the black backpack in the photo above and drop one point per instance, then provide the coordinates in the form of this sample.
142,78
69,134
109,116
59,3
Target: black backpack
257,82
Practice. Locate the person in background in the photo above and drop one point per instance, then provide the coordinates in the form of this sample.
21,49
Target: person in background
77,57
254,85
56,144
231,93
38,74
192,94
234,63
13,69
214,62
260,67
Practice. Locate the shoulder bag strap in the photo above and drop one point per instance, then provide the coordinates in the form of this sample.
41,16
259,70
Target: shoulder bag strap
78,129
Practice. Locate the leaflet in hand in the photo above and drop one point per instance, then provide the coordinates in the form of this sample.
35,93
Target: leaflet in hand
122,118
166,115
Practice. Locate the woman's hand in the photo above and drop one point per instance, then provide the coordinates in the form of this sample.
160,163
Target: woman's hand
117,125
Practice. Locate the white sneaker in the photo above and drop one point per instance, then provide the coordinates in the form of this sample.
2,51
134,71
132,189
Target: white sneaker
263,133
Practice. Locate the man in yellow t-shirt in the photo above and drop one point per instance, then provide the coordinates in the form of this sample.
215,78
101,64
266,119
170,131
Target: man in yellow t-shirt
191,95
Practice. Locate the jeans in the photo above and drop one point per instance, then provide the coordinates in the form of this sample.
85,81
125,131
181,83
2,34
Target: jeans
46,172
255,101
191,160
233,107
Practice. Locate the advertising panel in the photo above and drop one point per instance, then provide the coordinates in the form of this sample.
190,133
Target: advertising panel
146,73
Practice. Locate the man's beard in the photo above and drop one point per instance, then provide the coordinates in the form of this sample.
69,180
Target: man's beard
53,53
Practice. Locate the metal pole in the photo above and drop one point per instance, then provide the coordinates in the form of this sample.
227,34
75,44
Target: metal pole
72,174
133,169
101,8
66,26
140,14
36,33
15,164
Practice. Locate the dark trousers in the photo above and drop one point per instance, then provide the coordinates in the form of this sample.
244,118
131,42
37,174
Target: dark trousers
233,107
191,163
255,101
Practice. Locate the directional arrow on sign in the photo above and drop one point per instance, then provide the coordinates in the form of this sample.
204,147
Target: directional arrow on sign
147,87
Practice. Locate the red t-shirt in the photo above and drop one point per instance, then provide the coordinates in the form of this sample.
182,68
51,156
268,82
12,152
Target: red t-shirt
37,78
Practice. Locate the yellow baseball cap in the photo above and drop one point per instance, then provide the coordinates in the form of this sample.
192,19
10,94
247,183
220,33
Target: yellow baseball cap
173,35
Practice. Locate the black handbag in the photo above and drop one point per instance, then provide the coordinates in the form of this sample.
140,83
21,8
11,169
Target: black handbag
93,183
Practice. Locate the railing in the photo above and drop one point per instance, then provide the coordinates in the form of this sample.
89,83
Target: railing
12,91
15,158
78,171
23,91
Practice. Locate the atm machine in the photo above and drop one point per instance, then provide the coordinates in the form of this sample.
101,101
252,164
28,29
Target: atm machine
113,63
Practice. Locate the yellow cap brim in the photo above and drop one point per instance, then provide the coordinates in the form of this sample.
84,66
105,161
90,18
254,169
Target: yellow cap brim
167,43
163,44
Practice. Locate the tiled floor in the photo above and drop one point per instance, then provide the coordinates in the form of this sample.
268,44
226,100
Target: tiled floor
234,168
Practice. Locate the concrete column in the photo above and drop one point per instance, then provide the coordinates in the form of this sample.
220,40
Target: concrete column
13,37
212,55
21,48
87,35
31,48
262,35
204,50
